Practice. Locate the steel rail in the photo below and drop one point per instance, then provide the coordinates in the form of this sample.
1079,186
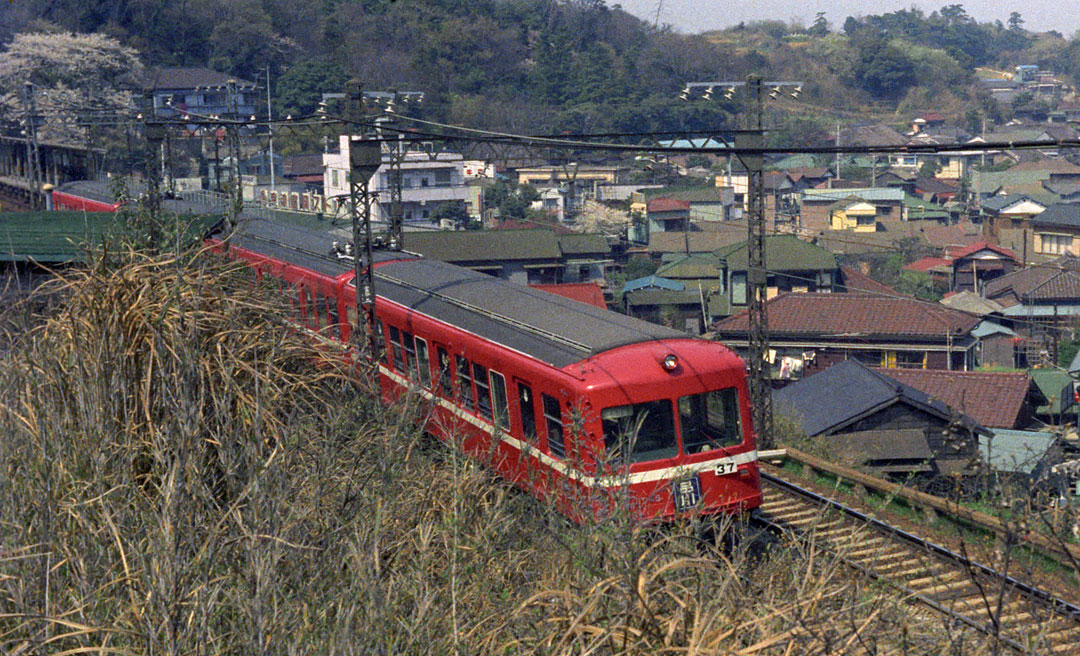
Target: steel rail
1030,592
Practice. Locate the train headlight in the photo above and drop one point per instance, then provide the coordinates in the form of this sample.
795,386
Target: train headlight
670,363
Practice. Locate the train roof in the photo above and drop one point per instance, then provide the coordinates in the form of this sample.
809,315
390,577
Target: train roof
548,327
306,248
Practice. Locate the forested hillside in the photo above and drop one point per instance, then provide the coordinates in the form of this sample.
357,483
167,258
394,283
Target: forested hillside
564,65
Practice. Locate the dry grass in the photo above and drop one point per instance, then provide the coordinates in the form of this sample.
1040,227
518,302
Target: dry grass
183,476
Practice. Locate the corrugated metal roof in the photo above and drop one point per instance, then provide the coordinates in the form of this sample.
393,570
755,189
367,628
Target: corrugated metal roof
892,194
483,245
692,266
653,281
1015,450
782,253
582,292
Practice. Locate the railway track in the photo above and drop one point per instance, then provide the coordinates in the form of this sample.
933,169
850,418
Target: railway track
1018,615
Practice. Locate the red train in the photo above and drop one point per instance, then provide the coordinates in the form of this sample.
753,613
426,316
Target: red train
583,406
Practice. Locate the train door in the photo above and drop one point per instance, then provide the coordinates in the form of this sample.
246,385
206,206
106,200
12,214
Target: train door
531,470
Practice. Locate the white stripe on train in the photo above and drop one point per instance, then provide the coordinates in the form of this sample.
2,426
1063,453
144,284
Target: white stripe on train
558,465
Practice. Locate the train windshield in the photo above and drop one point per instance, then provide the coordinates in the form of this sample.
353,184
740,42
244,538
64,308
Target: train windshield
710,420
640,432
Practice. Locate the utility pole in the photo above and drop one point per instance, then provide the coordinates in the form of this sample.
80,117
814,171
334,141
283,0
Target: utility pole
757,273
270,129
365,158
33,150
748,143
233,126
155,136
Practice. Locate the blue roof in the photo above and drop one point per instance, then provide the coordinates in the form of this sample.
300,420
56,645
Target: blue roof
652,281
1021,310
865,193
987,328
1015,450
829,400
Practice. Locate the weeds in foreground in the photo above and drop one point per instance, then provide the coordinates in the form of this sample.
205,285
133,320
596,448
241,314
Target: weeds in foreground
184,476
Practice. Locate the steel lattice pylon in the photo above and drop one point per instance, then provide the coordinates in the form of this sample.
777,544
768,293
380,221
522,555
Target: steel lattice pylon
757,272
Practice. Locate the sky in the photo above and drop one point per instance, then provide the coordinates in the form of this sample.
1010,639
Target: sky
693,16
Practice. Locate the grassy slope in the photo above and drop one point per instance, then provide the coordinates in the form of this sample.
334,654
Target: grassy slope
179,478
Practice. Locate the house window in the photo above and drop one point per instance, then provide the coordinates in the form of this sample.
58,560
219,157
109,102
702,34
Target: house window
1055,244
334,176
903,359
738,288
442,178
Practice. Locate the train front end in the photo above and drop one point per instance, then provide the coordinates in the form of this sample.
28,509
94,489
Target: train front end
670,429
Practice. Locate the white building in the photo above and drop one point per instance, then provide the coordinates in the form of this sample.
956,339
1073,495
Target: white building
426,183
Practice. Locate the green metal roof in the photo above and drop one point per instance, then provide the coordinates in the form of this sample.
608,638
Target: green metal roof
1015,450
782,253
1050,382
692,266
702,194
578,243
662,297
59,237
480,245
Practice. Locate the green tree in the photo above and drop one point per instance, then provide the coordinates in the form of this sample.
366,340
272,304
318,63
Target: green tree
639,266
820,26
454,212
301,87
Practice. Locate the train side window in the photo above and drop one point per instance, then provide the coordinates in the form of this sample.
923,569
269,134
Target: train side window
498,399
483,392
444,372
320,310
423,365
528,412
409,348
335,318
395,349
350,316
553,420
309,306
380,342
465,384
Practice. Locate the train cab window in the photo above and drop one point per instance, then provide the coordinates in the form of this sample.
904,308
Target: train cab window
423,364
554,425
465,384
395,349
444,372
639,432
409,349
498,399
483,391
710,420
528,412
